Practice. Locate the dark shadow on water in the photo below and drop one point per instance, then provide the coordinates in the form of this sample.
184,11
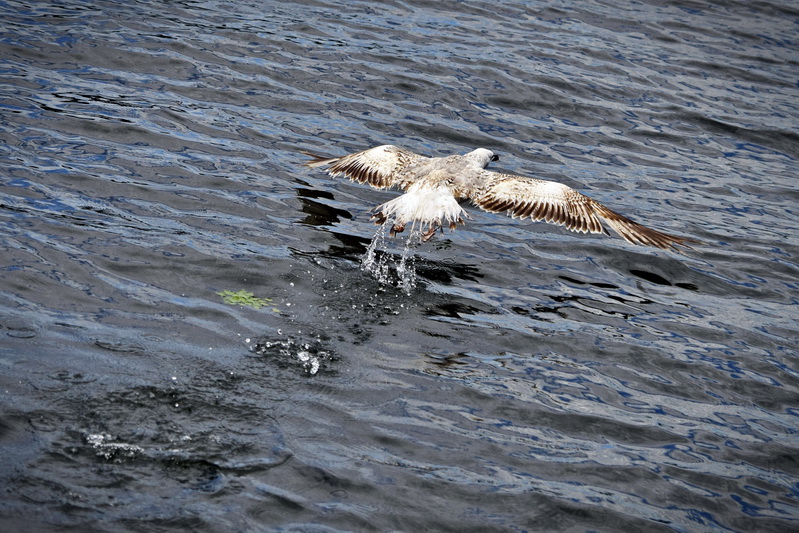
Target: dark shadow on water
353,248
445,272
660,280
318,213
591,283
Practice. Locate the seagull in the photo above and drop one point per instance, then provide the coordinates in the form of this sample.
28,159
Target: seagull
434,185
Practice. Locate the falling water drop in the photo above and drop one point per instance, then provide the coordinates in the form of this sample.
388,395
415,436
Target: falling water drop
385,267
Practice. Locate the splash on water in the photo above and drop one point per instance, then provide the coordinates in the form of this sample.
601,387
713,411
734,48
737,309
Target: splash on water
387,268
109,448
309,356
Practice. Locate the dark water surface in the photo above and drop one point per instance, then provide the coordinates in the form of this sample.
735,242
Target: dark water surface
532,380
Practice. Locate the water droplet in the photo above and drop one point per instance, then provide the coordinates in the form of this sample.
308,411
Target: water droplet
385,268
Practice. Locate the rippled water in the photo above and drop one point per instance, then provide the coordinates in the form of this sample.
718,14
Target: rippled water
531,379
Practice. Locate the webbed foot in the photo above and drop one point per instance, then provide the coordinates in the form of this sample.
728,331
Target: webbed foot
427,235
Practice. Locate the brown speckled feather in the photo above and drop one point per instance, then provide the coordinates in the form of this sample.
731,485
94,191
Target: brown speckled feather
559,204
380,167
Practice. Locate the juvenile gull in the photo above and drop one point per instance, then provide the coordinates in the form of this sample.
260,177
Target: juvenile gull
433,186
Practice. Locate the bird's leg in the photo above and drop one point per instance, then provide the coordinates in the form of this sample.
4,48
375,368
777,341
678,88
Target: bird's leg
427,235
379,218
396,228
454,223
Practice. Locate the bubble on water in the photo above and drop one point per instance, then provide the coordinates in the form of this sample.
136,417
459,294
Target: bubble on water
309,356
310,362
105,446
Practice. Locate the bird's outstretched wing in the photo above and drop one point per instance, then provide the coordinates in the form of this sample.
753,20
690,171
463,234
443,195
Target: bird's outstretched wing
381,167
559,204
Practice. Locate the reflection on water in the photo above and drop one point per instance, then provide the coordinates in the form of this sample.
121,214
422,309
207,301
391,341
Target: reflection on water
508,376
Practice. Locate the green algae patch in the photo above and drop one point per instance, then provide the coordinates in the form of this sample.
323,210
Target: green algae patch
246,298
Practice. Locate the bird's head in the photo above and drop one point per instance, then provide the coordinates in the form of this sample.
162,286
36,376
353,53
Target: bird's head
482,157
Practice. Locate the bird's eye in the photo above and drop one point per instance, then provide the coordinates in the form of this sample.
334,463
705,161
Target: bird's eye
495,157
